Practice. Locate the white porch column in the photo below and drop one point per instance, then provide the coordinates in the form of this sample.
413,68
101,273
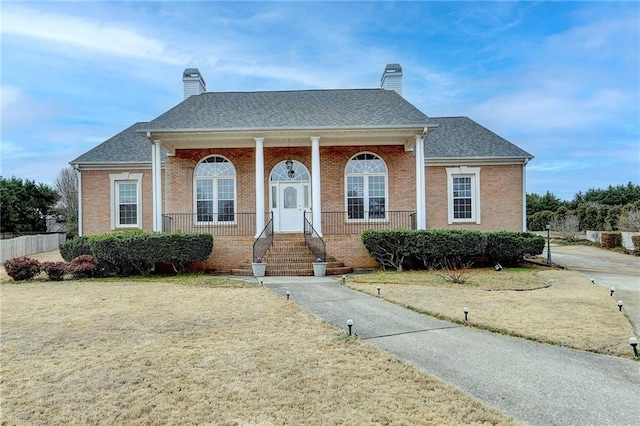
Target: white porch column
316,198
421,215
156,178
259,185
524,195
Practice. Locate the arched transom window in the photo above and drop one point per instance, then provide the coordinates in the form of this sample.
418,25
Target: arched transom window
281,173
366,187
215,190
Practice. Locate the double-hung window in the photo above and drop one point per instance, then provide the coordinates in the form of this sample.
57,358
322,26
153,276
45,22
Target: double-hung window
463,193
215,190
366,181
126,200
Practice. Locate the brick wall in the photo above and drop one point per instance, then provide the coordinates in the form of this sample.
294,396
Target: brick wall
500,199
501,195
96,200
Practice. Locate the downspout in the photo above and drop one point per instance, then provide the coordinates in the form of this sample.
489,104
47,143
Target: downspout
79,177
420,182
524,195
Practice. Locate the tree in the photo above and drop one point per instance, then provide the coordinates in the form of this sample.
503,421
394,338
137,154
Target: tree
25,205
612,196
67,208
537,203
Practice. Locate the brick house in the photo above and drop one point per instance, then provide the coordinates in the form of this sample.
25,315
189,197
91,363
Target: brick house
304,169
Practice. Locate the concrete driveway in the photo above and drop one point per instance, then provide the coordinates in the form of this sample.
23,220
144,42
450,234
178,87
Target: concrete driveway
608,269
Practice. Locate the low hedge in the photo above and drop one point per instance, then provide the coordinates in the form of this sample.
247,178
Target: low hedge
75,247
138,252
405,249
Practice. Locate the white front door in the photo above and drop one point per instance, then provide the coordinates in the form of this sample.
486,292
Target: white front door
290,194
291,206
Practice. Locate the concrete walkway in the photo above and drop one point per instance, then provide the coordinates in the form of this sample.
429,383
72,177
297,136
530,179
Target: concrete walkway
531,382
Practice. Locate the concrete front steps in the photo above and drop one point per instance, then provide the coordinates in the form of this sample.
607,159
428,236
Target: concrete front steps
289,256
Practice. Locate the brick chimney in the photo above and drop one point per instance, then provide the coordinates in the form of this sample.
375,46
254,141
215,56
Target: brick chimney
193,82
392,78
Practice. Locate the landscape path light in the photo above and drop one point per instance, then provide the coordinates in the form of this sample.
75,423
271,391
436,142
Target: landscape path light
634,344
378,290
620,305
612,289
288,294
593,281
344,279
466,312
349,324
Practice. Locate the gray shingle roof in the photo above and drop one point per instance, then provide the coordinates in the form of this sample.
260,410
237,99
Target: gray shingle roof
455,137
127,146
461,137
348,108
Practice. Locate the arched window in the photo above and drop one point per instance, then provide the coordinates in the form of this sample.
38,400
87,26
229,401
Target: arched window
366,187
215,190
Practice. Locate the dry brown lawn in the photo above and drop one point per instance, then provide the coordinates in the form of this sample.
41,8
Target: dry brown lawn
552,306
135,352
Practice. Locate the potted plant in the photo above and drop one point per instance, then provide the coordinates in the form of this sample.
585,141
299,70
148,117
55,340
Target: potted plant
319,268
259,268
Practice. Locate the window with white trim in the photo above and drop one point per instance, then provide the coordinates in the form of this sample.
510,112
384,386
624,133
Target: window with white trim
126,200
366,187
463,193
215,190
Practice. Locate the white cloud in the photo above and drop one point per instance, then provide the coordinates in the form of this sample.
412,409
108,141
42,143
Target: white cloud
20,109
85,33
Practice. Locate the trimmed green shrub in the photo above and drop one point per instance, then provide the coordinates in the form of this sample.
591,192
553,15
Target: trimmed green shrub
22,268
611,239
138,252
75,247
402,249
509,248
636,242
391,249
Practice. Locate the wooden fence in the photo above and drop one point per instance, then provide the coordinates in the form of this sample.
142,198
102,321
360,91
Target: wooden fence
29,244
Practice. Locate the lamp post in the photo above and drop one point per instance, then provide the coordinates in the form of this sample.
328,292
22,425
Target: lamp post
634,344
548,244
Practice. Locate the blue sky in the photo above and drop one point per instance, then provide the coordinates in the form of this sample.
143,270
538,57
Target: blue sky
559,79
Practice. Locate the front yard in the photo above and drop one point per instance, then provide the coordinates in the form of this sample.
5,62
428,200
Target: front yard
136,352
551,306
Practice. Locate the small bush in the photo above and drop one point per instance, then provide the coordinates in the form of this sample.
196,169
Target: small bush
22,268
636,242
55,270
456,271
83,266
75,247
611,239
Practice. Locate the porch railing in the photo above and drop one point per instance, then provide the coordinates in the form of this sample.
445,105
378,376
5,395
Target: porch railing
339,223
314,241
234,224
243,224
264,241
